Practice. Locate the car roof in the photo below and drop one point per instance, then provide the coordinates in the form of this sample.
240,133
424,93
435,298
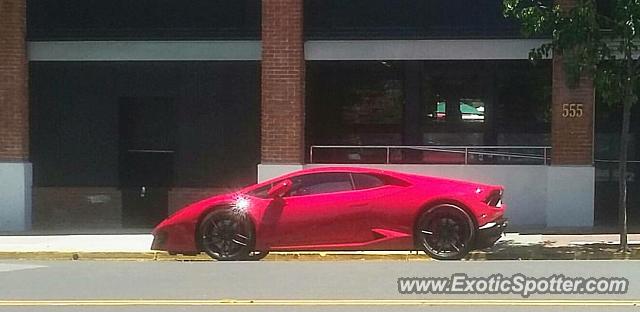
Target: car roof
327,169
342,169
336,168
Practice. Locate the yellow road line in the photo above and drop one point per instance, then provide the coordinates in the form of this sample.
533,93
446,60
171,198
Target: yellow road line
324,302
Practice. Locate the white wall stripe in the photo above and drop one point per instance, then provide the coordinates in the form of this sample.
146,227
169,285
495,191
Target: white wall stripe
144,50
490,49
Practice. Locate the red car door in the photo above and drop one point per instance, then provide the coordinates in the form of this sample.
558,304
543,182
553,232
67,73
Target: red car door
321,209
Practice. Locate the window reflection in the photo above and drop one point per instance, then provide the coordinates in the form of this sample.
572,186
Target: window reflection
471,110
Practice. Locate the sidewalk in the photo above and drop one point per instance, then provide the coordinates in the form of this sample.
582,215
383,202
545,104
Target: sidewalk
136,247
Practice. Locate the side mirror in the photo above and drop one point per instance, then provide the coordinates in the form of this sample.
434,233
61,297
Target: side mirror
281,188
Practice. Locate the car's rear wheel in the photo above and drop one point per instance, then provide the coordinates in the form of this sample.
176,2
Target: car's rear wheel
445,232
226,236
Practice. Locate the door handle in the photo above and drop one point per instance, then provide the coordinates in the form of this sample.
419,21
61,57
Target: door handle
143,191
358,205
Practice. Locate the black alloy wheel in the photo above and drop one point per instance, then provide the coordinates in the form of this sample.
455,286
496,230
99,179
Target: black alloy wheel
445,232
256,255
226,236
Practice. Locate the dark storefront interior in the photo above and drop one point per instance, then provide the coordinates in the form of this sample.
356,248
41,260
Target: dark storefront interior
607,144
143,124
446,103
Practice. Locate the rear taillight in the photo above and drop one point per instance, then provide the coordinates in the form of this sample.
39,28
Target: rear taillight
494,199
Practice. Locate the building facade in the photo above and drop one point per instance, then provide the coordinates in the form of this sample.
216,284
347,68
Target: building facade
116,113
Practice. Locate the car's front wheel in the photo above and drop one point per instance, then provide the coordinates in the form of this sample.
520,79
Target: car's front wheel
256,255
445,232
226,236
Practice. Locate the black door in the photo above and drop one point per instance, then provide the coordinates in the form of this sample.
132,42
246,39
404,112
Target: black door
146,159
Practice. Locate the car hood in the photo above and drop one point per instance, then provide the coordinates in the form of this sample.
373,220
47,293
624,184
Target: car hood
194,209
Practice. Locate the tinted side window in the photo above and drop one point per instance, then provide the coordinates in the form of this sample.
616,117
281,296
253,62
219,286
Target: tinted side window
320,183
364,181
261,192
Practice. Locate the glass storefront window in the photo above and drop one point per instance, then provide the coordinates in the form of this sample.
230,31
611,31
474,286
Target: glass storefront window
470,103
143,20
355,103
406,19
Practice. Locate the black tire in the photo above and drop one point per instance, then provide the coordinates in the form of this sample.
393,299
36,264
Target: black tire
226,236
256,255
445,232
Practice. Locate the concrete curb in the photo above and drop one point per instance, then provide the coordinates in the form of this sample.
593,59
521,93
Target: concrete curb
520,254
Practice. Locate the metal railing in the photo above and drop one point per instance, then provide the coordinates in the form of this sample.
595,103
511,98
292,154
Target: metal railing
399,154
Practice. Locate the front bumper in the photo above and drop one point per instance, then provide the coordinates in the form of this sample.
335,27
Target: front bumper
159,241
175,238
491,232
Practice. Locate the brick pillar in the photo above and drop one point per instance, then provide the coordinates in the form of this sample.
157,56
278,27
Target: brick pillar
14,127
283,79
571,176
15,171
571,137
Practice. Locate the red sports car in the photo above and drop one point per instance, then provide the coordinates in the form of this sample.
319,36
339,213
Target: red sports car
339,209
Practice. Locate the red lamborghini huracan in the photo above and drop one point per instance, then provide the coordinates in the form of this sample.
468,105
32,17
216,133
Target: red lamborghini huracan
339,208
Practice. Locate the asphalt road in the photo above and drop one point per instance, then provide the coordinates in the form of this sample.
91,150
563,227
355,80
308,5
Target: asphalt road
290,286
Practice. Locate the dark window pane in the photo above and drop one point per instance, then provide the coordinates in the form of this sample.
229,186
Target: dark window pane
320,183
407,19
452,103
355,103
143,19
75,105
365,181
262,192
